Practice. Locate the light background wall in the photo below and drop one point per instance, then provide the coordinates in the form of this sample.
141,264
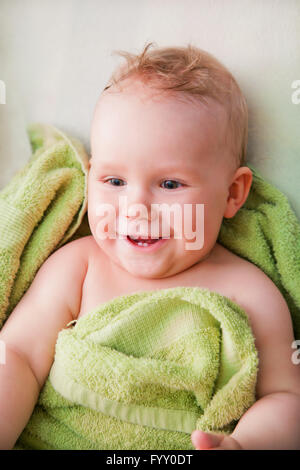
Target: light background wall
55,58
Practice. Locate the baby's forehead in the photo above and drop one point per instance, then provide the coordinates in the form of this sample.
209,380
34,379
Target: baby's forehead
137,108
115,102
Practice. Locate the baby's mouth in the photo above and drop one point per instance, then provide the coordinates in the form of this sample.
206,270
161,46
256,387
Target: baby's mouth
140,241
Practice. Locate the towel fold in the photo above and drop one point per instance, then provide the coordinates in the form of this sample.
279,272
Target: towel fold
40,209
144,370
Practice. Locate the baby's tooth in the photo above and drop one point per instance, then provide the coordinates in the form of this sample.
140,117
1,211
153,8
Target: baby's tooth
142,244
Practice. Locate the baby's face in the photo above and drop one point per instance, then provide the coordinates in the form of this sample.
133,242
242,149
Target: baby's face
155,150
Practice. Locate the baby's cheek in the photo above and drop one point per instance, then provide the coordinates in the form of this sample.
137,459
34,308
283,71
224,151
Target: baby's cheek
193,218
103,223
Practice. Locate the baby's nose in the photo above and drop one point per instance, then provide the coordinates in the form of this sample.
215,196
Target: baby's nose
137,204
140,211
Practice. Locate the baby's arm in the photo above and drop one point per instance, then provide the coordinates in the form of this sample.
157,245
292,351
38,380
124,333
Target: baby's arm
273,422
30,334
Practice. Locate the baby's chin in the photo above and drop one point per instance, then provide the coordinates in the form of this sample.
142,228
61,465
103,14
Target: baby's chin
146,270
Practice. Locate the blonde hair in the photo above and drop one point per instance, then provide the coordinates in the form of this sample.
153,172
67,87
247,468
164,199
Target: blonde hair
193,73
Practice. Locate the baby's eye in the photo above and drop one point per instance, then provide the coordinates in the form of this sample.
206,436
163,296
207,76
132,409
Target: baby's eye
115,181
170,184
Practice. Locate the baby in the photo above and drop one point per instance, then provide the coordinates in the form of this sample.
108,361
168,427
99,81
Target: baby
170,128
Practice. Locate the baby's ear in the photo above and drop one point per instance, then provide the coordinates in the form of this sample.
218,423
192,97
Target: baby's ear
89,163
238,191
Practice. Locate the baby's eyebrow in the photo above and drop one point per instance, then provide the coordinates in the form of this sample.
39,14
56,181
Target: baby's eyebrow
109,166
176,168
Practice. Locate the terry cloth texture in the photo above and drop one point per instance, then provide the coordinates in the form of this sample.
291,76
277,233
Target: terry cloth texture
40,209
144,370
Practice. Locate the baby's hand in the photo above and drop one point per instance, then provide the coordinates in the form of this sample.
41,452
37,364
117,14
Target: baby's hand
208,441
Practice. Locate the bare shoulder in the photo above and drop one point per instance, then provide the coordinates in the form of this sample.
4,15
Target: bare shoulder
56,286
70,262
50,303
258,293
74,254
83,247
255,292
80,246
271,324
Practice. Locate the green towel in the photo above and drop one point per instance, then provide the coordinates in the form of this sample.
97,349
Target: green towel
192,363
40,209
144,370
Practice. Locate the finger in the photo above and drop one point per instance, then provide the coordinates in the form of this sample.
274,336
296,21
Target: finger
228,443
204,440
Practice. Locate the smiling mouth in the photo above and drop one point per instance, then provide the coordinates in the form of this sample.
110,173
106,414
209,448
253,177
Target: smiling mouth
140,241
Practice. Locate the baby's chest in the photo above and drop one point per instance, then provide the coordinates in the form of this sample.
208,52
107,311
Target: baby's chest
101,285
